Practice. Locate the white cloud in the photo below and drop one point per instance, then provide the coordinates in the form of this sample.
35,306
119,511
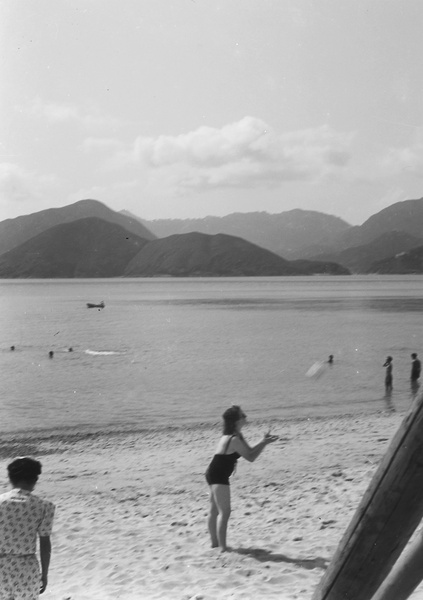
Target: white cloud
405,160
13,183
97,144
68,113
21,190
245,153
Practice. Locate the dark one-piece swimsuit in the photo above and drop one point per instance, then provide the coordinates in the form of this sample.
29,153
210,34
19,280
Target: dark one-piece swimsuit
222,466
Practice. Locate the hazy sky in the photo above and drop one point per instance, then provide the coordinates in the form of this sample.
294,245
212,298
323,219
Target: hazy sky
188,108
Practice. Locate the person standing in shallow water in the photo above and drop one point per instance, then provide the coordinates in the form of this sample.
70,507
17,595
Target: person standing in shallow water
23,518
230,448
388,375
415,372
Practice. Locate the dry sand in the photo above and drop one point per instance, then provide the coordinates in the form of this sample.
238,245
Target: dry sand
132,509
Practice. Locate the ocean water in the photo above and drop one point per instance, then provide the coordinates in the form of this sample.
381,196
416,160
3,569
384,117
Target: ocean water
166,352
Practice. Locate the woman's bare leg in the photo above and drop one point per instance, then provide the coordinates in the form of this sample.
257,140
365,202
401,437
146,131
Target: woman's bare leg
212,521
222,498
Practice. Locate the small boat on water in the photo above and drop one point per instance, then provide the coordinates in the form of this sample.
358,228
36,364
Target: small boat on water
90,305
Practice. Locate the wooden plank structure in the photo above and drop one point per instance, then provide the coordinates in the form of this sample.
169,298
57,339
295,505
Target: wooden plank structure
406,574
385,520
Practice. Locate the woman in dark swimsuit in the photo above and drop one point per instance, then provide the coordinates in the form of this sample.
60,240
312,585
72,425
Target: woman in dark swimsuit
230,447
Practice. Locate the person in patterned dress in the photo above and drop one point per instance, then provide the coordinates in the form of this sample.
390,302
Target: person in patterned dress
24,517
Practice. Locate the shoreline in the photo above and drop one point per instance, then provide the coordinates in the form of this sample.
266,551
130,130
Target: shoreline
131,518
76,433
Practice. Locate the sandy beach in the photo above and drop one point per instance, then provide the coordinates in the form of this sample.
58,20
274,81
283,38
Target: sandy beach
132,508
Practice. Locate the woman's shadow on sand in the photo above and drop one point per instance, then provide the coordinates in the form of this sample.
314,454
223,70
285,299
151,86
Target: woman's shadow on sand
263,555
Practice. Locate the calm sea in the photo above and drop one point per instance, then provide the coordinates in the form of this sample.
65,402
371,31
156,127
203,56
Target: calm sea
173,351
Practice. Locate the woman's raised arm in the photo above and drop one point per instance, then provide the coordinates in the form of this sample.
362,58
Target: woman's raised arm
251,453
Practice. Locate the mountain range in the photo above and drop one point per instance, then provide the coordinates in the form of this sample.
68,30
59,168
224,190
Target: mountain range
285,234
299,234
87,239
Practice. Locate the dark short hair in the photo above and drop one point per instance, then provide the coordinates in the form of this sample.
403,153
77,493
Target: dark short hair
230,418
24,468
414,355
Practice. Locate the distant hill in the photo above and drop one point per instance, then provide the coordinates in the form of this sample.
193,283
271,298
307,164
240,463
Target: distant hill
284,233
84,248
200,254
14,232
404,263
358,259
405,217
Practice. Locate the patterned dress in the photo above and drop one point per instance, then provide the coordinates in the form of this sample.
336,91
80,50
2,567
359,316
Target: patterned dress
23,517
